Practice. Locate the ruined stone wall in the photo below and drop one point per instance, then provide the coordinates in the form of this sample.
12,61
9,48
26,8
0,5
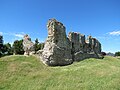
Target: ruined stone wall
84,48
28,46
62,50
57,49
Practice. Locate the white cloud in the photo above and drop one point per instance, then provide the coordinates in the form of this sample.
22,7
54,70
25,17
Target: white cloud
19,35
115,33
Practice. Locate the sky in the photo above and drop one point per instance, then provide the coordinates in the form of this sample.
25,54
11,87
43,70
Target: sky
99,18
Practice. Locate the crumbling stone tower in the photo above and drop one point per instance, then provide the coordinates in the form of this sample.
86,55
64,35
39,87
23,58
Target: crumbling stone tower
28,45
62,50
57,49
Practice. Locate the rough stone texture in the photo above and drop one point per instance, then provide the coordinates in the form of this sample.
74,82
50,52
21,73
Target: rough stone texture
28,46
60,50
57,49
82,49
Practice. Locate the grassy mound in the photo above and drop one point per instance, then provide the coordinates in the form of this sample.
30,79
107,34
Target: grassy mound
29,73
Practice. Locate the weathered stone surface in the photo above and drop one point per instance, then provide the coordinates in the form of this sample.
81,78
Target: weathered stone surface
82,49
28,46
60,50
57,49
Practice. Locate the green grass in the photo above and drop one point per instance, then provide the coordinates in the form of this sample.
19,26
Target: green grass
29,73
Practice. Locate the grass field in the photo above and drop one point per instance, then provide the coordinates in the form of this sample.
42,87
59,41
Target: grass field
28,73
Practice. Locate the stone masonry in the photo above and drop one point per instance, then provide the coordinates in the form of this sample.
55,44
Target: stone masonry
62,50
28,46
57,49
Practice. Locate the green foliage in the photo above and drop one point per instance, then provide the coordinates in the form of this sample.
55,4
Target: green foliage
1,50
41,45
28,73
38,46
1,39
117,53
1,45
7,49
18,47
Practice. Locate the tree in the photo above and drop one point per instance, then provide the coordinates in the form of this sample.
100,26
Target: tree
117,53
41,45
18,47
1,45
38,46
103,53
7,49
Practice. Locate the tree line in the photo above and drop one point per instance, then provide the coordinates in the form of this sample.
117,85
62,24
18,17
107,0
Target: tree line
16,47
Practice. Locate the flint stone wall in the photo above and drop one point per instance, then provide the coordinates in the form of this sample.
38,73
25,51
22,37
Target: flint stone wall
62,50
57,49
28,46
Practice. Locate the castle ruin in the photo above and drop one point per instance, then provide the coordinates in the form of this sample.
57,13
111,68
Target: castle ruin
28,45
62,50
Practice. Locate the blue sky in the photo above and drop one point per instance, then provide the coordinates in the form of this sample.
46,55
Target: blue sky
99,18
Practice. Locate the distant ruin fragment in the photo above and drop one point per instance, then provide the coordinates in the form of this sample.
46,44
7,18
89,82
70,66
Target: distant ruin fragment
28,45
62,50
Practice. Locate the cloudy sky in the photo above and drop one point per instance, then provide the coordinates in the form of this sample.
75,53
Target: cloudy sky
99,18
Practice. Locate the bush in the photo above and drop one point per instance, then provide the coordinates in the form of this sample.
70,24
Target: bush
103,53
117,53
18,47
